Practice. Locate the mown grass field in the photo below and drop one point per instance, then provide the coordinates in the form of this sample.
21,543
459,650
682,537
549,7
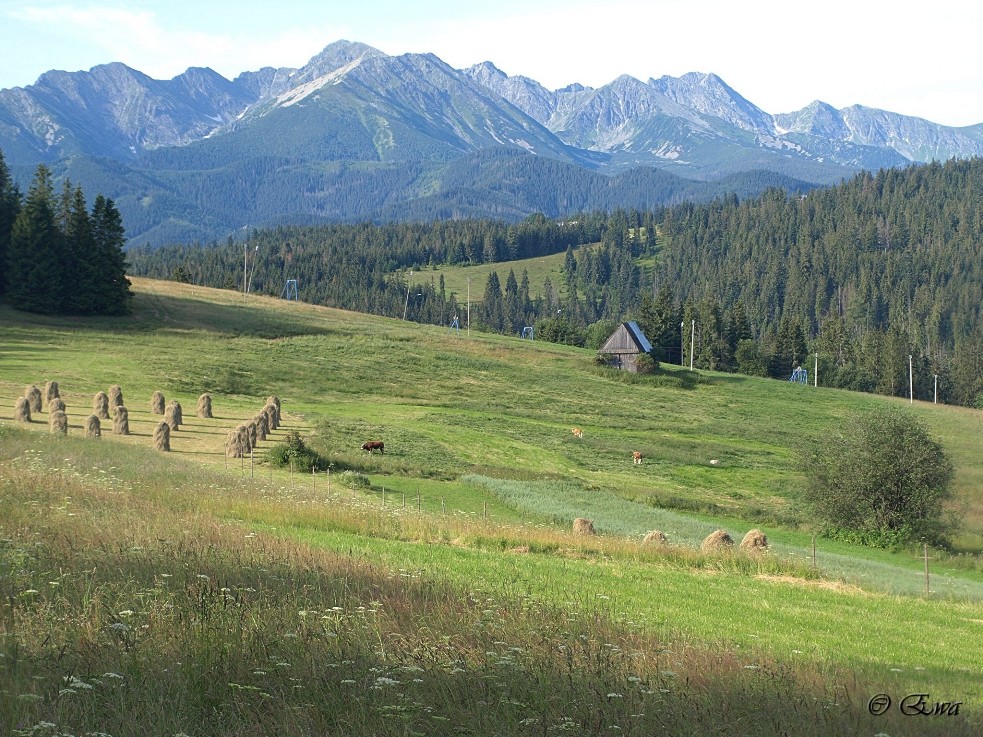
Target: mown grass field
184,593
456,277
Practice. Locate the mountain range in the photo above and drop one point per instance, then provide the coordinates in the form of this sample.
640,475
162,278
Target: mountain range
357,134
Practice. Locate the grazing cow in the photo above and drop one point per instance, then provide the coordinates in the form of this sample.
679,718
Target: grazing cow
577,432
371,445
636,457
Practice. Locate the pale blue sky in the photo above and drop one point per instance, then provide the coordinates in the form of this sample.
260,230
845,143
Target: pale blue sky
916,59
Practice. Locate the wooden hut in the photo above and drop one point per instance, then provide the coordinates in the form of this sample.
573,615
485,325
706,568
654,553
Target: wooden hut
625,345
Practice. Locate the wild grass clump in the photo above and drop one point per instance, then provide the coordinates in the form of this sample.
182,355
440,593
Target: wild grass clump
121,421
162,436
173,415
204,408
157,403
92,427
100,405
355,480
58,422
33,395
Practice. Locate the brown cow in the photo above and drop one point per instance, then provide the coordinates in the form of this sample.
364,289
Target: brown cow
371,445
577,432
636,458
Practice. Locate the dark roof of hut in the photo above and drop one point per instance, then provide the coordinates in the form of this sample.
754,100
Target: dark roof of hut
638,336
634,335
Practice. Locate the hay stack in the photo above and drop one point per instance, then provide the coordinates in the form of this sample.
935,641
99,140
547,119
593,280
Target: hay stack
717,541
251,429
204,409
262,426
237,442
755,541
243,431
33,395
162,437
272,417
58,422
583,526
100,405
157,403
22,409
275,401
173,416
56,405
121,421
93,428
50,391
115,398
656,537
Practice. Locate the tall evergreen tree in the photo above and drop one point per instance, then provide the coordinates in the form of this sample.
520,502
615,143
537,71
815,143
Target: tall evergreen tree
82,288
9,206
112,293
36,257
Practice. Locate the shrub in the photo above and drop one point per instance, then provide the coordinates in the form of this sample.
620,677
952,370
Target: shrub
293,452
882,481
355,480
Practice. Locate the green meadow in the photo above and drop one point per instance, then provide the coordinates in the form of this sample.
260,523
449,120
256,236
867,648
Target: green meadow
190,593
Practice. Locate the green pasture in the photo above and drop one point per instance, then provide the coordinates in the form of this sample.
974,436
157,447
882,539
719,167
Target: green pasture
473,496
456,277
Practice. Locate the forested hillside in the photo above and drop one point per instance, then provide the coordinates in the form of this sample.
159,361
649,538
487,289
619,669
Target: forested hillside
884,266
865,274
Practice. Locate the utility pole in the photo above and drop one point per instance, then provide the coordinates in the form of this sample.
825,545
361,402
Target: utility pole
936,400
469,306
407,303
911,383
682,343
692,343
243,273
815,374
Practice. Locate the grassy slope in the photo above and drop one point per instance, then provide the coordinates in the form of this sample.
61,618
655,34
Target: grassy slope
456,277
495,406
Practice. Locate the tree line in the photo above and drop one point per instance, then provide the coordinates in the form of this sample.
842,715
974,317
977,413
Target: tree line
58,256
856,277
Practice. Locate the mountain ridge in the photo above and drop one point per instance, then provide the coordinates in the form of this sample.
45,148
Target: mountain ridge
354,115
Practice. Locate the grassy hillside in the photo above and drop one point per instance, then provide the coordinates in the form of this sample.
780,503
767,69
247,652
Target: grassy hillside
454,568
456,277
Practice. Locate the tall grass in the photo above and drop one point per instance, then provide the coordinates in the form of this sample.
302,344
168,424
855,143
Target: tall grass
126,610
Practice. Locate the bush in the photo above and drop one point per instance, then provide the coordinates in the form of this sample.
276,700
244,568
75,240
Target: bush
293,453
355,480
883,481
645,364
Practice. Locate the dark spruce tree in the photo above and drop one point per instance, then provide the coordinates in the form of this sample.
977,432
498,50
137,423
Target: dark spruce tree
111,289
36,256
9,206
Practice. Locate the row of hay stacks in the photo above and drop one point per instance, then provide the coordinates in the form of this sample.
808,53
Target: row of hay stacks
244,439
105,405
159,406
755,541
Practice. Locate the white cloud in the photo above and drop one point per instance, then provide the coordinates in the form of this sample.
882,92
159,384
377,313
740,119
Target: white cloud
141,40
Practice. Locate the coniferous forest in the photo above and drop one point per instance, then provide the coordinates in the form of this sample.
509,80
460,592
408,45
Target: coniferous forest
57,256
857,277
